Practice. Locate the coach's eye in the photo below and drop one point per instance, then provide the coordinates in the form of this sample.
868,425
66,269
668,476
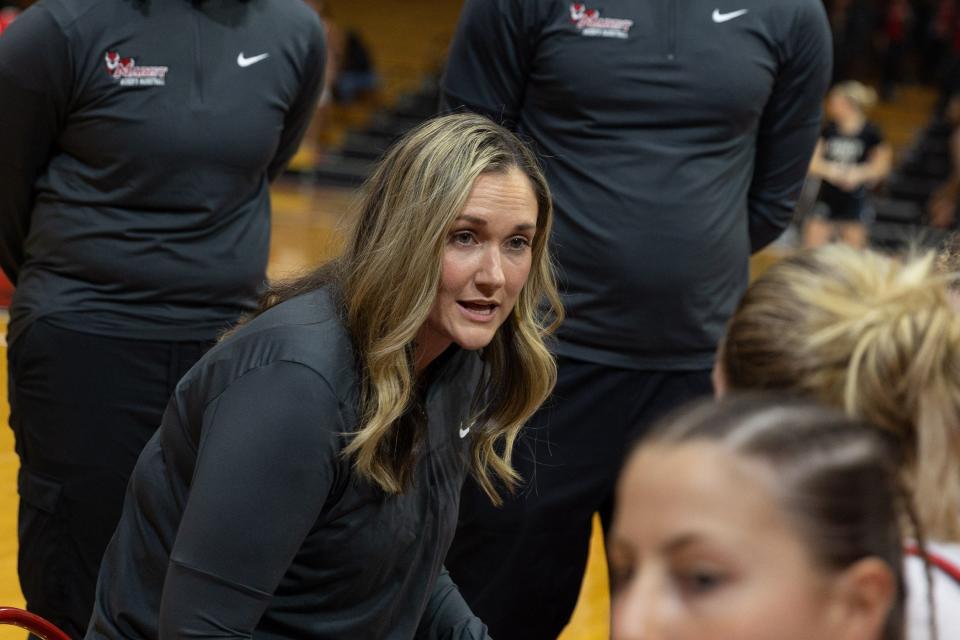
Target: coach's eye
464,237
518,243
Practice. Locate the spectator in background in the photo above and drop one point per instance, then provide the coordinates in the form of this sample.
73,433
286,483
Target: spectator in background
894,38
850,158
945,31
335,44
942,206
878,337
852,23
838,12
358,75
139,141
349,75
760,518
675,136
311,148
350,69
937,35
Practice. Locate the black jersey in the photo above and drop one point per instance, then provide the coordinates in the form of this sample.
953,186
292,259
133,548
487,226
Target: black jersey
138,139
675,137
243,518
847,150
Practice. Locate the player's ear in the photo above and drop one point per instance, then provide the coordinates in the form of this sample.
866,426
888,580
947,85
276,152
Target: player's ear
862,599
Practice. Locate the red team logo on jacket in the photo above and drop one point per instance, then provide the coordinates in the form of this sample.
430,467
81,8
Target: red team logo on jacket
589,22
130,75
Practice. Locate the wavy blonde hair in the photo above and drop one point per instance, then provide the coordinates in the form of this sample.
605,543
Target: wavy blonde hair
387,280
873,335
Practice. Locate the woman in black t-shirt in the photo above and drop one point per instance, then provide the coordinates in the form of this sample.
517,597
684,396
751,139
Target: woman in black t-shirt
851,156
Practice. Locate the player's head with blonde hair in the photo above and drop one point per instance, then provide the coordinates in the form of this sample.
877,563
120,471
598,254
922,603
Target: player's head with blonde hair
874,335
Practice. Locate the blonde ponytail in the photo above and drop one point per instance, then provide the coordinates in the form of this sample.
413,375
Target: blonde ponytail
875,336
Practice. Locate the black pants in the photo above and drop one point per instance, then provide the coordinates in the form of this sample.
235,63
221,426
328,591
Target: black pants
82,407
520,566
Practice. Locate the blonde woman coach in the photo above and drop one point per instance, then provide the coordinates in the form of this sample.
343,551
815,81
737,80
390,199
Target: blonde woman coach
305,480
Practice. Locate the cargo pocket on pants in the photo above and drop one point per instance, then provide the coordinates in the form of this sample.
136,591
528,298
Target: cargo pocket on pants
44,545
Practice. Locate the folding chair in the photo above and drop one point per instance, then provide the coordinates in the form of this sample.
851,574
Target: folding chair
32,623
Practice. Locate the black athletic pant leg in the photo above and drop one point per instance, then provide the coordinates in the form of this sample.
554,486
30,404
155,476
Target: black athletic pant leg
82,407
520,566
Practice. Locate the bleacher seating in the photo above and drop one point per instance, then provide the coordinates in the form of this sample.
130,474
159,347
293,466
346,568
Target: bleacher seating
349,164
408,43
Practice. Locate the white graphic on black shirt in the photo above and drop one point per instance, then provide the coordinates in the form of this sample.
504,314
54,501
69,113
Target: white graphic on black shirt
844,150
726,17
246,62
589,23
126,71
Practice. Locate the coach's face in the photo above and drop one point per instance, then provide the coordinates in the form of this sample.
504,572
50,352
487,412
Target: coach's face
486,261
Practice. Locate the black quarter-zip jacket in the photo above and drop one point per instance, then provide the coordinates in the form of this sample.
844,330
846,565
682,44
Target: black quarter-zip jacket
139,137
243,518
675,136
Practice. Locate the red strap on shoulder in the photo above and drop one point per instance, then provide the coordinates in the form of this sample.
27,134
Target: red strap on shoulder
937,561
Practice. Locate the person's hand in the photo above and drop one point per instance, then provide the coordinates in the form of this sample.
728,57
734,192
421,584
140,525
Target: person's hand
844,177
851,180
833,173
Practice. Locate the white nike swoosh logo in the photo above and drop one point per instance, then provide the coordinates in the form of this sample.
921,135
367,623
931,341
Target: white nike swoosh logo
723,17
246,62
464,432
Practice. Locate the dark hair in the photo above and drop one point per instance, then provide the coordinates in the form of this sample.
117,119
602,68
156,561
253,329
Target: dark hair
838,478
